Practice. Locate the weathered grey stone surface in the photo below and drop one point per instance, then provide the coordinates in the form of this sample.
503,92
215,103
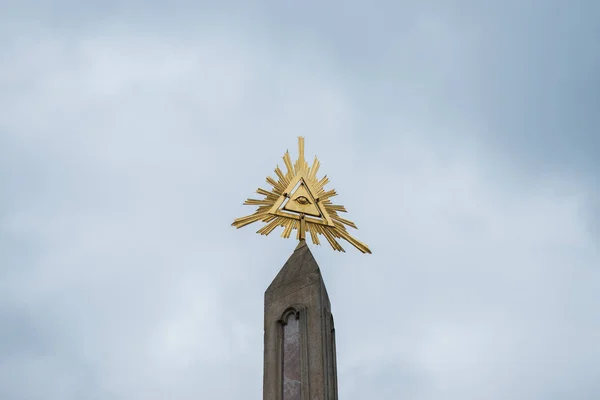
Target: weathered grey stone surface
298,291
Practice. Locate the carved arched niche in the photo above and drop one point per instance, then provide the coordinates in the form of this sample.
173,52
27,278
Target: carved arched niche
294,354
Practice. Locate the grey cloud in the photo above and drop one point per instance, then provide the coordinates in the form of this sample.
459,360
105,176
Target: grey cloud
524,72
127,154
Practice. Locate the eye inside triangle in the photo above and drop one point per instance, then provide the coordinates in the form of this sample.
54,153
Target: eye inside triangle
301,201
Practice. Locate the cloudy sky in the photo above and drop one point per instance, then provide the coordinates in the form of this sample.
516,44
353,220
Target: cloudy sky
462,137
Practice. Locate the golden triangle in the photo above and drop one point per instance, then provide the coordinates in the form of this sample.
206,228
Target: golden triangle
301,201
298,201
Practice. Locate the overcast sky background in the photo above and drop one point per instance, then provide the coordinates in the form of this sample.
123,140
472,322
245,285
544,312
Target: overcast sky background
463,138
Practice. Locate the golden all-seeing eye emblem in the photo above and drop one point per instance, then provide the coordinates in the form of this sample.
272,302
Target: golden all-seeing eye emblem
298,201
302,200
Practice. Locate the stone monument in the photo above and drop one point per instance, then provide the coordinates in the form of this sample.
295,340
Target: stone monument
299,334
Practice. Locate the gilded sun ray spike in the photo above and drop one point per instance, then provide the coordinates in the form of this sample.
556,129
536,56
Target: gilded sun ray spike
298,201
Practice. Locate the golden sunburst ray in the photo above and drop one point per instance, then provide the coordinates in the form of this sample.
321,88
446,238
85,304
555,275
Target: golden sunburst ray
298,201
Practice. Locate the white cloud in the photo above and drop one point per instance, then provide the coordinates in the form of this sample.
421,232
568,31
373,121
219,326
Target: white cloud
148,146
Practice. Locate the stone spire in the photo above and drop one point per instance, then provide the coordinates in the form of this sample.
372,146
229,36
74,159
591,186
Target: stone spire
299,354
